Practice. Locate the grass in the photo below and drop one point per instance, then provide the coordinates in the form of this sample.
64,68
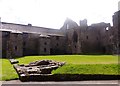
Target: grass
105,69
8,71
74,59
75,64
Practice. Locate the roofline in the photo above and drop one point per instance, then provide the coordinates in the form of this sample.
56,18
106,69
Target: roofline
55,35
28,25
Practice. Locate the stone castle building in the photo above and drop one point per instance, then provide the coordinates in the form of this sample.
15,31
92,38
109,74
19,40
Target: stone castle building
21,40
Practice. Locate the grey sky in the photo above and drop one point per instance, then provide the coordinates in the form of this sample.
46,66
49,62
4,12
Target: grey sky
52,13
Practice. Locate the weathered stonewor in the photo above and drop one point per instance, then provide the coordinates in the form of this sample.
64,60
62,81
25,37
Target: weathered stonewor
37,68
13,61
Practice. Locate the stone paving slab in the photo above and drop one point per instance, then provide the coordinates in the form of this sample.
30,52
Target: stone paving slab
63,83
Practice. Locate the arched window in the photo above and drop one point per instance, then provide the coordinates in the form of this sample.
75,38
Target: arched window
67,26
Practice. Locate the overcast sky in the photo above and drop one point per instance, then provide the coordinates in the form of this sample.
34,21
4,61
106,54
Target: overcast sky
52,13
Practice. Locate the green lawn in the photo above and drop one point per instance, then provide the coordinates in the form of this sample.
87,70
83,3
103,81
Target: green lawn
75,64
75,59
106,69
8,71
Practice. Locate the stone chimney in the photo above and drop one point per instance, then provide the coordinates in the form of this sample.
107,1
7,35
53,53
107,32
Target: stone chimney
29,24
83,22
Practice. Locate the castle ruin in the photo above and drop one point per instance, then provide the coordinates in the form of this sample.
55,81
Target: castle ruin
22,40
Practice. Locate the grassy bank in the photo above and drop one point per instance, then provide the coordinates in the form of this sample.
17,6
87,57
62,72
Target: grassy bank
75,64
105,69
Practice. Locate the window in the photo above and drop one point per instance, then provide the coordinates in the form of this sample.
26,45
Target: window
75,46
57,37
86,37
57,44
107,28
45,43
45,50
67,26
25,35
15,47
16,35
5,34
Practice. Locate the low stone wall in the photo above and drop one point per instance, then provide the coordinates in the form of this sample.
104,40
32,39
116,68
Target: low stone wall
37,69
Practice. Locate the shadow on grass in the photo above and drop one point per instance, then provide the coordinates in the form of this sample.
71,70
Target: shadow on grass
70,77
11,79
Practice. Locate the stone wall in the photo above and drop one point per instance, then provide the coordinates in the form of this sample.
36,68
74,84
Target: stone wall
116,27
90,40
19,40
108,40
73,41
30,43
14,45
4,38
87,39
44,45
57,44
103,31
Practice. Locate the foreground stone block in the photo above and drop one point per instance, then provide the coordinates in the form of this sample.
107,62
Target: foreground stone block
13,61
37,68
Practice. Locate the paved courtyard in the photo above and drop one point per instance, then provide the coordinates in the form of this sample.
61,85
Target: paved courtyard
63,83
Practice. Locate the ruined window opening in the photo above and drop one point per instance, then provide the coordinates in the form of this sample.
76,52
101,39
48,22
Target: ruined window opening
45,43
86,37
57,44
75,46
57,37
45,49
15,47
106,28
16,35
25,35
67,26
75,36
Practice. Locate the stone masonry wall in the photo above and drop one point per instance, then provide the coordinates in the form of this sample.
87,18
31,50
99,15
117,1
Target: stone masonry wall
57,44
14,45
44,45
30,44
